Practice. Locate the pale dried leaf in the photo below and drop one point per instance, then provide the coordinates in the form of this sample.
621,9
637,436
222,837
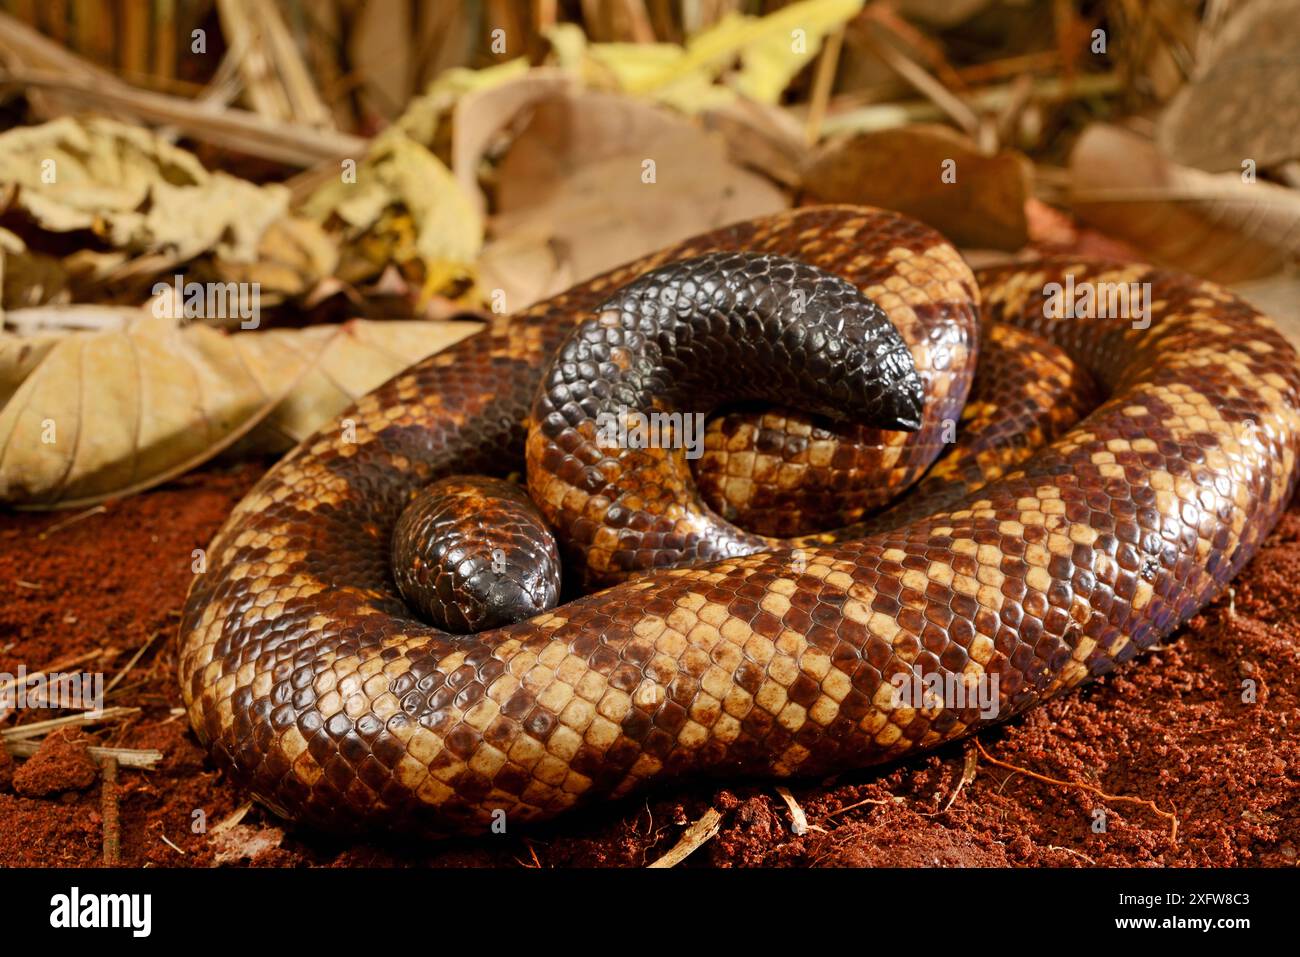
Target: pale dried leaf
28,278
485,113
109,413
1214,225
770,49
403,206
424,116
133,406
244,842
1243,111
133,189
354,359
572,182
1258,28
293,255
1243,102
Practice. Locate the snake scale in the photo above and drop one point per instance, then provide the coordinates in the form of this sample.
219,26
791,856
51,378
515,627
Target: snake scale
313,683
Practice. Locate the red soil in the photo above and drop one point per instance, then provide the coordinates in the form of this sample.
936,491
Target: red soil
1170,729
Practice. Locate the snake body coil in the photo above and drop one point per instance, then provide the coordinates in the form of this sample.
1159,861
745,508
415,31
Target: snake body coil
311,680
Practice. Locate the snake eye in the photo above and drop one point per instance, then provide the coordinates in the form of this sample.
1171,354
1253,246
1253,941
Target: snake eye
470,553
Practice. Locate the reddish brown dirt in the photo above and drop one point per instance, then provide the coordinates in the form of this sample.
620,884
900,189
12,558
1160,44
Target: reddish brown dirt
1168,733
1171,729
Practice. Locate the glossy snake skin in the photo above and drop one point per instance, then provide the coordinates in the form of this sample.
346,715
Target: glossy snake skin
471,552
318,689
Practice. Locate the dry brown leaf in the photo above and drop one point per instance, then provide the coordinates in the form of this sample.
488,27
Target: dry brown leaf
113,412
903,169
293,255
28,278
524,267
1243,104
1262,28
133,189
1210,224
354,359
572,182
1241,111
761,137
93,415
484,114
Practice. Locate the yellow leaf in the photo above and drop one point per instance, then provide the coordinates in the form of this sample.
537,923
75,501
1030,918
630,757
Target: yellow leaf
423,116
400,175
772,49
770,61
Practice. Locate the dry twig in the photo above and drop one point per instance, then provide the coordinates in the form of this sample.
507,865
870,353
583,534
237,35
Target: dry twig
699,833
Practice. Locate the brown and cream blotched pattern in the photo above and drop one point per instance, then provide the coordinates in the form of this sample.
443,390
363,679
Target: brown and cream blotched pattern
321,691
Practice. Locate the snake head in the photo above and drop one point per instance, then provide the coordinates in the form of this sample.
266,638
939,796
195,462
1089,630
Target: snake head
906,398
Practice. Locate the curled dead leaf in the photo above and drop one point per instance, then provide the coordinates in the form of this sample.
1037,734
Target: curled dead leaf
1243,103
485,113
293,256
571,182
933,173
1214,225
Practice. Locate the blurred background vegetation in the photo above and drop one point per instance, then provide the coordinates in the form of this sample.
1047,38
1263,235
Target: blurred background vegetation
417,165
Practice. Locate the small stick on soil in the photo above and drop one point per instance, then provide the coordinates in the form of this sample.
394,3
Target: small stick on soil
1141,802
532,852
1070,850
126,757
38,728
175,847
699,833
798,819
969,767
112,821
73,520
850,807
231,821
57,666
799,825
131,664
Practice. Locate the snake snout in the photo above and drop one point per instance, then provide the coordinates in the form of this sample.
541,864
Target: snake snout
904,393
878,384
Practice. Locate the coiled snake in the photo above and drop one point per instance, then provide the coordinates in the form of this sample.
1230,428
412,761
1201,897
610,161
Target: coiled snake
310,679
